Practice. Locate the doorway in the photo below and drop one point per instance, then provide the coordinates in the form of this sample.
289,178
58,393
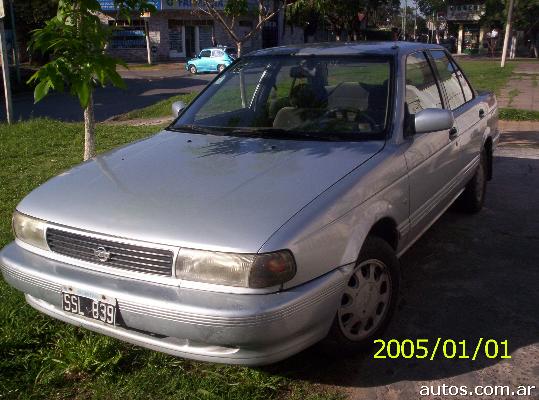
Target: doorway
190,38
175,40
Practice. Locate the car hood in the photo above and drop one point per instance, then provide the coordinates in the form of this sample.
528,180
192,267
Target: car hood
203,191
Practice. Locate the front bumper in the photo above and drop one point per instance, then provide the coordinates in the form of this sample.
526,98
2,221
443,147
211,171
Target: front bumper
249,329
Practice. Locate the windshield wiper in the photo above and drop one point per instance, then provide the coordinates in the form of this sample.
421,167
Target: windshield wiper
195,129
270,133
276,133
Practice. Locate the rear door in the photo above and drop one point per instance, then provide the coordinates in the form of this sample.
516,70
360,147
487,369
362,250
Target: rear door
217,58
468,112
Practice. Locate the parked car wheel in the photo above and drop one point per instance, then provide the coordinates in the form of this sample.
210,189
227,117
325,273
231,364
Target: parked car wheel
192,69
220,68
473,197
369,298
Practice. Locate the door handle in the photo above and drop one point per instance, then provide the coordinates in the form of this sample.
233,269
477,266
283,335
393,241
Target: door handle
453,133
481,113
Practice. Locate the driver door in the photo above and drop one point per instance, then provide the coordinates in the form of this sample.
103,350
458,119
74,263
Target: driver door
427,154
205,60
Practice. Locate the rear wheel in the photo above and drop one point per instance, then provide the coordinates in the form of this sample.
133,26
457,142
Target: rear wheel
369,298
473,197
192,69
220,68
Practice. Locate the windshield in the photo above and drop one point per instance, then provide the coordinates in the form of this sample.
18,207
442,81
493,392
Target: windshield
331,98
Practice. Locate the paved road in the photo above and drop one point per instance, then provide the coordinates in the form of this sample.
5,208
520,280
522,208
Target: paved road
468,277
144,87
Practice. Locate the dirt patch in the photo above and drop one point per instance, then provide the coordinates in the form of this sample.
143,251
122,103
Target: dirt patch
140,121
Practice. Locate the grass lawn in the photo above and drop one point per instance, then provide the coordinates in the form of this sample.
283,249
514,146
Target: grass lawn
41,358
487,74
160,109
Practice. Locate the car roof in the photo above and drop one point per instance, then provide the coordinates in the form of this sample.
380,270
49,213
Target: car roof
347,48
217,48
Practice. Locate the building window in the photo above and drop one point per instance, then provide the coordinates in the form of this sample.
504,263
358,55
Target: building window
204,36
127,35
175,41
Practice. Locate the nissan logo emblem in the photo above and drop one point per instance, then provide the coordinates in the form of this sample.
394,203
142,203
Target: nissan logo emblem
102,254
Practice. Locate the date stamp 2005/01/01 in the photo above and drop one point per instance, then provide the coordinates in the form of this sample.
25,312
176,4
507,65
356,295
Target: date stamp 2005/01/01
445,348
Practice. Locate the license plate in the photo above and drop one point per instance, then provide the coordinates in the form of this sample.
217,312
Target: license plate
96,307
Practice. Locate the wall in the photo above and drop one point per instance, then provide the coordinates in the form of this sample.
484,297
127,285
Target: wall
158,25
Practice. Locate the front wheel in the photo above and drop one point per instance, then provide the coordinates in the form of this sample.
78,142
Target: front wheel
369,298
220,68
192,69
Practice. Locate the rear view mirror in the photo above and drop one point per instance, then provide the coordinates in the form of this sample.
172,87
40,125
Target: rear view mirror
177,108
432,120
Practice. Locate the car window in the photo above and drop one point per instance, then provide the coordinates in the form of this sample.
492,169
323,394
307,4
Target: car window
217,53
421,89
468,92
449,79
330,97
205,53
230,97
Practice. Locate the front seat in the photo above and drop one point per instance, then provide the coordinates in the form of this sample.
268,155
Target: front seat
305,104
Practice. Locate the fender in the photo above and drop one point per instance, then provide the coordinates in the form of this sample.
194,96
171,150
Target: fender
328,234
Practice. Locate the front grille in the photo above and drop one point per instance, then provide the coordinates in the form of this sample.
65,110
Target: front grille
119,255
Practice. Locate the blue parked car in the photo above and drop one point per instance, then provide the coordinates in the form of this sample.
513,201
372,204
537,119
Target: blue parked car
214,59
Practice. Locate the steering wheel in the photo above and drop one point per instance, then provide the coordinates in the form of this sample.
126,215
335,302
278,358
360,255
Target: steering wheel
358,115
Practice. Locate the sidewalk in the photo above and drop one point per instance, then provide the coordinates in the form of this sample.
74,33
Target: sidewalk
522,90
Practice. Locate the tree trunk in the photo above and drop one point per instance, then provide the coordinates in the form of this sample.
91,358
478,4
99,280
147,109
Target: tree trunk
89,129
238,45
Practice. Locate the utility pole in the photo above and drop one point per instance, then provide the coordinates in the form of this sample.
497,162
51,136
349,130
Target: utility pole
15,45
405,17
5,66
507,32
415,23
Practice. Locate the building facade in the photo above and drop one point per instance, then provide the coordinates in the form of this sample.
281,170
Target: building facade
463,23
178,31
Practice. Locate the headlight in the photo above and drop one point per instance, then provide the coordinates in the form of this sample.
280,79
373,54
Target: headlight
244,270
30,230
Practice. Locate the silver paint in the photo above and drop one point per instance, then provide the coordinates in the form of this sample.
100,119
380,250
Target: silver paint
317,199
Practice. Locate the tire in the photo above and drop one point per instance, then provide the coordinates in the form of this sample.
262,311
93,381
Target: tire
220,68
378,267
192,69
473,197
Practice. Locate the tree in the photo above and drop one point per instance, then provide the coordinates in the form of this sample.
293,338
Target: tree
228,15
525,14
76,40
32,14
428,7
342,15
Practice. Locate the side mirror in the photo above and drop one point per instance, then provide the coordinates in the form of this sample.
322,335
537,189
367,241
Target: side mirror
177,108
432,120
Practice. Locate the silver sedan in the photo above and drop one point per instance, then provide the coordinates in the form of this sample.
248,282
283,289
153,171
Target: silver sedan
271,214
